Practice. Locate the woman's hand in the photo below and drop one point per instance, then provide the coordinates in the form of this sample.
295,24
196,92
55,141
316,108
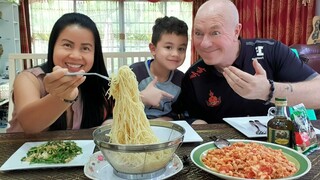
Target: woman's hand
59,85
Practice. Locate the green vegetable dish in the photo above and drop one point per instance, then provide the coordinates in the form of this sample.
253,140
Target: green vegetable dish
53,152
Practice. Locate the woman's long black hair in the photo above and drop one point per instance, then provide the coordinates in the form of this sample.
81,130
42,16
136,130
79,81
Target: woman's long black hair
94,88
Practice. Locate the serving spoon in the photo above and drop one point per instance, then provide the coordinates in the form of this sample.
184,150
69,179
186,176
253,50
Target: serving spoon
219,142
87,74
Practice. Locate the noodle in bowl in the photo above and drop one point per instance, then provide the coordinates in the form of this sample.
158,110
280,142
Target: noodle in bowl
141,158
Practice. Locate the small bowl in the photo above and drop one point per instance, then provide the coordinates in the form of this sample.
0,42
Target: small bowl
142,160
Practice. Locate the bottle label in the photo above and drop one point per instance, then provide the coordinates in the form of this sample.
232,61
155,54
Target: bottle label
282,137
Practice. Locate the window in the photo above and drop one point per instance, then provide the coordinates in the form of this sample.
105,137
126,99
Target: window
124,26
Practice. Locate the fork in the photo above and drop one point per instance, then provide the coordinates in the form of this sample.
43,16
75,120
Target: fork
87,74
258,122
258,129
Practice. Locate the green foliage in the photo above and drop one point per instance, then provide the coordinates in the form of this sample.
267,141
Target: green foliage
138,37
42,36
13,1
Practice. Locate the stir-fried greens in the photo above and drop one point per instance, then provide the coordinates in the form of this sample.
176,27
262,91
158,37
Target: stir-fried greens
53,152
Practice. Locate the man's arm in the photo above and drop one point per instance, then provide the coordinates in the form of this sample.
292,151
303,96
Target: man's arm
257,86
306,92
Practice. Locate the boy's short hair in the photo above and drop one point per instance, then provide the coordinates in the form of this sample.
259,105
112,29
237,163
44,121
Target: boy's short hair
168,25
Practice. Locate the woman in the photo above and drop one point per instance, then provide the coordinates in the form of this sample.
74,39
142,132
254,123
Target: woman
46,99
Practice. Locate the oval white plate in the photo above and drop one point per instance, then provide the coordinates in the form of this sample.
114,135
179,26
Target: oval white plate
98,168
301,161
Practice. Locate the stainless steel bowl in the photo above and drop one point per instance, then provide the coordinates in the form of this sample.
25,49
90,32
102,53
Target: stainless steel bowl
124,158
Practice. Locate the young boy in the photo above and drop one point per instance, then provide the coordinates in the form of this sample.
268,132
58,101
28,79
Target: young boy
159,79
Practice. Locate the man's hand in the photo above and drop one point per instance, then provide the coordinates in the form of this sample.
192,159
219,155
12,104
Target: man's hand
246,85
152,96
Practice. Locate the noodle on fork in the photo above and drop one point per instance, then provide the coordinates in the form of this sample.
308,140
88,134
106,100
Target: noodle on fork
130,125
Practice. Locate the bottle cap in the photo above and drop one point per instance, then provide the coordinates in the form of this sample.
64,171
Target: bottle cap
280,101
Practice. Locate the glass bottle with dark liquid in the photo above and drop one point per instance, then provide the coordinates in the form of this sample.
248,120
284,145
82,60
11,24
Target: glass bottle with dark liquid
280,127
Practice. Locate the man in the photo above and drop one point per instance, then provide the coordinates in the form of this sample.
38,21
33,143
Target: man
240,77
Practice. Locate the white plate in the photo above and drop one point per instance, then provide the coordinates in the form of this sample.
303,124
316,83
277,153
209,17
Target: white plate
301,161
191,135
98,168
242,124
15,163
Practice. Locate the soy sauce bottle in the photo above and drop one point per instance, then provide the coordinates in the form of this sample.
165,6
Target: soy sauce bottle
280,127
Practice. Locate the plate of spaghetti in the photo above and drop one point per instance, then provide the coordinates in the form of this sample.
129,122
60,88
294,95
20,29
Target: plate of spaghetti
250,159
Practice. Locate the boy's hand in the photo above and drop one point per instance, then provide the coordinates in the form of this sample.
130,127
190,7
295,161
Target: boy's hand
152,96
